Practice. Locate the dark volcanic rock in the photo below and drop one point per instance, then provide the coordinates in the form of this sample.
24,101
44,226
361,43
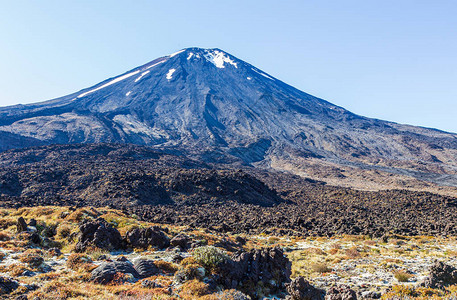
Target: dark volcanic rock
441,276
340,293
146,268
35,238
301,289
181,241
7,285
21,225
145,237
247,269
168,189
98,233
105,273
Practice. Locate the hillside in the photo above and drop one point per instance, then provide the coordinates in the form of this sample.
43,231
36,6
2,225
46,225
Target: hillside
215,107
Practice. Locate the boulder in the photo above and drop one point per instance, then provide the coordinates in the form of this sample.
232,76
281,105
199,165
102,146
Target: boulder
98,233
35,238
268,267
341,292
301,289
146,268
21,225
32,222
54,252
441,275
105,273
181,241
7,285
145,237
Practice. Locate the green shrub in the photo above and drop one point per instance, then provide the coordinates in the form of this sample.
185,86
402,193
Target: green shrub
209,256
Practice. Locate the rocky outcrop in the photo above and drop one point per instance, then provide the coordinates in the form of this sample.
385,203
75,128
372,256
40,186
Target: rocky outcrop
147,237
99,234
106,272
21,225
146,268
441,276
301,289
7,285
340,293
246,270
182,241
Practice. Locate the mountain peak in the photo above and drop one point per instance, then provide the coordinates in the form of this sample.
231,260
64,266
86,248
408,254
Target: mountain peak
216,56
212,104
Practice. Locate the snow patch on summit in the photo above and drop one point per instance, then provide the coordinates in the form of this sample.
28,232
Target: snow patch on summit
219,58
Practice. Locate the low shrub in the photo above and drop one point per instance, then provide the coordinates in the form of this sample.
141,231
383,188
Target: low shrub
320,267
209,256
80,262
402,276
194,288
165,266
352,252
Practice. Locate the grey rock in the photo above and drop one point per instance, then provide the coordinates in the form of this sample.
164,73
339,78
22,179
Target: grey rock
21,225
441,275
268,266
181,241
105,273
301,289
98,233
146,268
145,237
7,285
341,292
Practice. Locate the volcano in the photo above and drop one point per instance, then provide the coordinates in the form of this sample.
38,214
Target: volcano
210,105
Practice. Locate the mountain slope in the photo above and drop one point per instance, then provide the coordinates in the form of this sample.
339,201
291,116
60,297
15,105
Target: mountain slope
210,104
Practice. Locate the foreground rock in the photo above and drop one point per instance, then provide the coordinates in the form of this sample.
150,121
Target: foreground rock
21,225
147,237
7,285
106,272
441,276
182,241
268,268
301,289
100,234
340,293
146,268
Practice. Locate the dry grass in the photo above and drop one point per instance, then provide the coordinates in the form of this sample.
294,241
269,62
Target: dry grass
320,267
352,253
167,267
402,276
80,262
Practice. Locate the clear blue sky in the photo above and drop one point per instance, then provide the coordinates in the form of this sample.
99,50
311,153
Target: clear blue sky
389,59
